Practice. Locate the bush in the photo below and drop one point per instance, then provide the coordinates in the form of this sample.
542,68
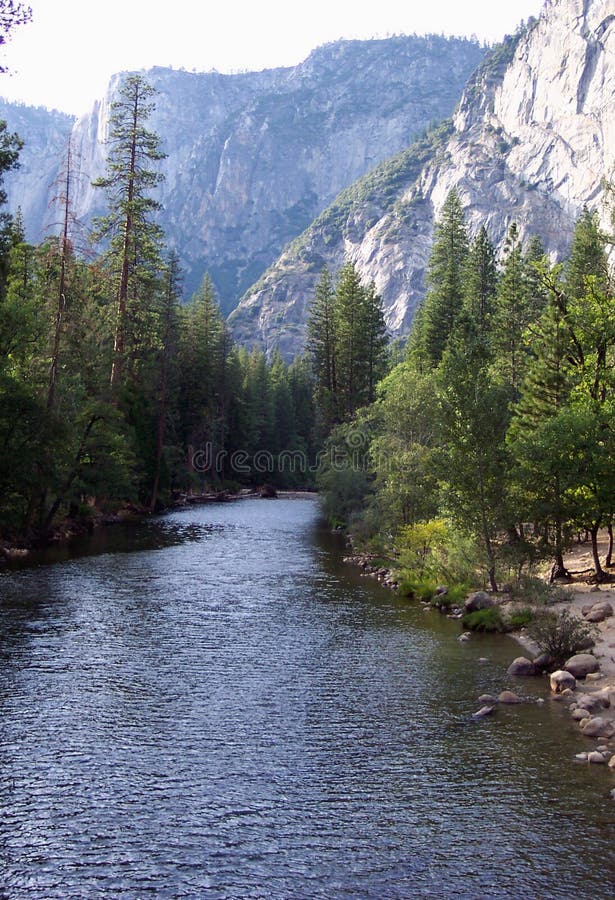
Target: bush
534,590
560,635
487,620
520,618
415,589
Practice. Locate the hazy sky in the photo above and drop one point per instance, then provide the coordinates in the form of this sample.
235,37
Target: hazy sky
64,57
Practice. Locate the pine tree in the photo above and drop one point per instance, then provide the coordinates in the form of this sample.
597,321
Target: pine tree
135,241
540,462
445,280
480,281
321,347
514,310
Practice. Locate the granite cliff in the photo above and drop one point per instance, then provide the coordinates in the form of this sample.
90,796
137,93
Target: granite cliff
253,158
531,141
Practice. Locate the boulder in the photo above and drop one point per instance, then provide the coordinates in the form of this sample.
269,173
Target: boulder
478,600
597,727
465,636
593,703
581,665
508,697
522,666
561,680
579,714
544,662
612,762
599,612
595,757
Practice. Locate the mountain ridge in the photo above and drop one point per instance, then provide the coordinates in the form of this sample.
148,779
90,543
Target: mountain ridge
531,140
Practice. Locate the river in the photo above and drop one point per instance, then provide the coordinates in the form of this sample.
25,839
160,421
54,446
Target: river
212,705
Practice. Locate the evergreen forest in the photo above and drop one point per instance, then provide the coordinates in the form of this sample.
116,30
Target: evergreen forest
476,449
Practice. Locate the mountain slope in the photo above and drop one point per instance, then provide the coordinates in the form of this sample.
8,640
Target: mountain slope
531,141
253,158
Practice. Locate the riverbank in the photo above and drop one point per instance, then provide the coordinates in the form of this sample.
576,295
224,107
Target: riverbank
18,550
589,696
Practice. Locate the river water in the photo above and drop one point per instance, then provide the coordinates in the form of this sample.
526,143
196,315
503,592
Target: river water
213,705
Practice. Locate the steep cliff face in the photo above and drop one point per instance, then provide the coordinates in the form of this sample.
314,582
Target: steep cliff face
32,187
531,141
253,158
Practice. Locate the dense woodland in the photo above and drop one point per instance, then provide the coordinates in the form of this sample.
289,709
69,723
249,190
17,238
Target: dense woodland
113,391
491,445
477,449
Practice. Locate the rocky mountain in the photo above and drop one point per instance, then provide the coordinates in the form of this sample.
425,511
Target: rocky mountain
33,185
531,142
253,158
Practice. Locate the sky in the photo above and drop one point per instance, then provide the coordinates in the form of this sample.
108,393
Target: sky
64,58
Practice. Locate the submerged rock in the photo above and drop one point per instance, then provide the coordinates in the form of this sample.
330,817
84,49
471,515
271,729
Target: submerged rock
483,712
509,697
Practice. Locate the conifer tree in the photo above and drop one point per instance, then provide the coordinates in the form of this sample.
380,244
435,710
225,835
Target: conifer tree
135,241
321,347
480,280
445,280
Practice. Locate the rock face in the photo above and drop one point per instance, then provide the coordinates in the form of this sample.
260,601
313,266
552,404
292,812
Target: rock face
32,186
531,141
253,158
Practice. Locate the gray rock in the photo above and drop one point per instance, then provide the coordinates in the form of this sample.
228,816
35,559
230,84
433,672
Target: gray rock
544,662
581,665
597,727
593,703
560,681
483,712
487,699
579,714
464,637
596,758
478,600
599,612
522,666
508,697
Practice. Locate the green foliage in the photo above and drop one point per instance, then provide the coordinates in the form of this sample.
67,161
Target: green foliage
520,618
561,635
346,343
486,620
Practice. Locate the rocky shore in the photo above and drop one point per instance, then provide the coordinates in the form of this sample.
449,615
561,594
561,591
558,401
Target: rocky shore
585,683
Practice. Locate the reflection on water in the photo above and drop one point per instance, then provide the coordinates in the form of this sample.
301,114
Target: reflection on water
228,711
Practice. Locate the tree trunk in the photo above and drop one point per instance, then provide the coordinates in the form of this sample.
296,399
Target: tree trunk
600,573
608,562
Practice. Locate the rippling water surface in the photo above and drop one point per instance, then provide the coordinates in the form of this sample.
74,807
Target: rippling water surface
228,711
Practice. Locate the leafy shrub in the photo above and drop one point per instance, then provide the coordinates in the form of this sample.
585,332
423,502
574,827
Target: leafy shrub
520,618
488,620
536,591
413,588
560,635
